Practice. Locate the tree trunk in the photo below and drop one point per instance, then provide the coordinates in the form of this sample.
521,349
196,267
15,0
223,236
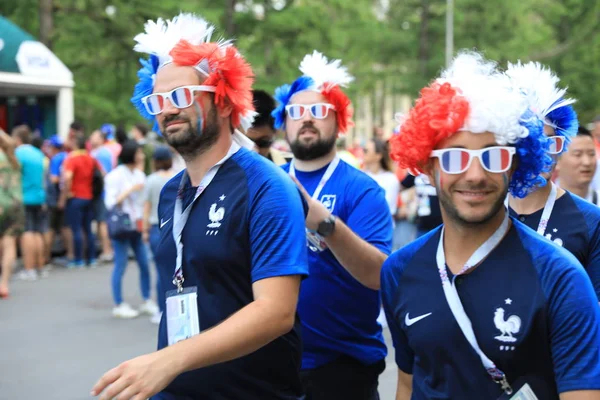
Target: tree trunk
424,42
229,14
46,22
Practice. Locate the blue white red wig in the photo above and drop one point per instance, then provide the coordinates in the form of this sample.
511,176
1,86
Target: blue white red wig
186,41
320,75
546,99
472,95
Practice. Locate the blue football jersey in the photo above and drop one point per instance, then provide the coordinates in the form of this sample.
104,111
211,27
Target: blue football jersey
575,225
247,225
533,311
339,314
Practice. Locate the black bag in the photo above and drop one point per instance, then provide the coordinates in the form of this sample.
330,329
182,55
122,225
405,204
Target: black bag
97,183
120,225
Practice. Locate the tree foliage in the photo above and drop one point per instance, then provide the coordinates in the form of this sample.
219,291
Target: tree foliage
400,42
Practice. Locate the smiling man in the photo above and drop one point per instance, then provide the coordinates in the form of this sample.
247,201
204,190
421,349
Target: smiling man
567,220
348,234
231,252
483,307
576,167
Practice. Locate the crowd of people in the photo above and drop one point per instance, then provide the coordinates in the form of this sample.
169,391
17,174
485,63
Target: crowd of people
473,230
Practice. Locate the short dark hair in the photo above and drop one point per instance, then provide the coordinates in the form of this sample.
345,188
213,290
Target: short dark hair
37,142
121,135
77,126
264,105
583,131
23,133
80,141
163,165
142,128
128,150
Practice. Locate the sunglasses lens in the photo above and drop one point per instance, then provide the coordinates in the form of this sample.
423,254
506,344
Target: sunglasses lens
319,111
556,144
296,111
154,104
182,97
496,159
455,161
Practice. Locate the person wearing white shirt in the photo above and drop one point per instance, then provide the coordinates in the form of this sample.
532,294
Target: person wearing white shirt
378,167
123,187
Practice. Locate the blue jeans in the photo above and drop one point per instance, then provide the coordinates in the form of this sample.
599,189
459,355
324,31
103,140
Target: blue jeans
121,248
154,240
79,216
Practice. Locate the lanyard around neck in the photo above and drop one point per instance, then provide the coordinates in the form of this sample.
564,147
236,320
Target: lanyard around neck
180,217
548,207
456,306
328,173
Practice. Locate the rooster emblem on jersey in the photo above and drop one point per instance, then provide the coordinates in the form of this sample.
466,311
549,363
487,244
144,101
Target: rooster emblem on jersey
216,216
508,327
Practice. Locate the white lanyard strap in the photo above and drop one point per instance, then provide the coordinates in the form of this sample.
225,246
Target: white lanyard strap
547,210
180,217
456,306
328,172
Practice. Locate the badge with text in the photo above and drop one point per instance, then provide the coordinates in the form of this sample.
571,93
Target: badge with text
524,392
316,242
182,315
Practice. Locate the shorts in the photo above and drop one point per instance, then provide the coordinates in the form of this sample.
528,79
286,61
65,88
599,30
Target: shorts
99,209
36,219
56,219
12,222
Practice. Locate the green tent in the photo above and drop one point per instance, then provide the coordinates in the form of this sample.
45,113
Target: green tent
11,37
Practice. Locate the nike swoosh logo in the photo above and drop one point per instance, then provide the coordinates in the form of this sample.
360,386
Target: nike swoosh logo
410,321
164,223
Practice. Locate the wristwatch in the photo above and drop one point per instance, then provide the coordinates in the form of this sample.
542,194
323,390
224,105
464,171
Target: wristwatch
327,226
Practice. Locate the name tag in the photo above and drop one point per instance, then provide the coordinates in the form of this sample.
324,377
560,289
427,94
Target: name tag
524,393
182,314
315,241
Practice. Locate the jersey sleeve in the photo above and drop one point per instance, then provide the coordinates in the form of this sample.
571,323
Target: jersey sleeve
389,289
371,220
277,233
574,317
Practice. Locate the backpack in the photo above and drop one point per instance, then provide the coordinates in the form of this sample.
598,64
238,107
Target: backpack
97,183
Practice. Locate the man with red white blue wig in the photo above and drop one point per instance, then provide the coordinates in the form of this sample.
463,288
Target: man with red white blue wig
231,253
483,307
348,235
560,216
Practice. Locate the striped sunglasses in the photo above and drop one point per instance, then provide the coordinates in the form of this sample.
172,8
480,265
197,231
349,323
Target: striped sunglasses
317,110
181,97
495,159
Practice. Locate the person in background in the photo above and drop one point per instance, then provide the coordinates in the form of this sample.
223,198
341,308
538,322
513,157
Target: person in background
139,133
344,154
263,130
378,166
32,243
103,156
78,174
121,134
123,188
163,161
109,131
577,166
54,186
427,213
12,218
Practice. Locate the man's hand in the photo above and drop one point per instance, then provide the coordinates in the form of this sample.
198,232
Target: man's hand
317,212
145,236
136,379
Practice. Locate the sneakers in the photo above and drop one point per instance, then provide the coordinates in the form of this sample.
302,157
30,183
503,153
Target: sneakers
155,319
92,264
74,264
125,311
149,307
106,258
28,275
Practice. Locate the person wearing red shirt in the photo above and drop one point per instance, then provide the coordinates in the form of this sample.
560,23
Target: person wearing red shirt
79,170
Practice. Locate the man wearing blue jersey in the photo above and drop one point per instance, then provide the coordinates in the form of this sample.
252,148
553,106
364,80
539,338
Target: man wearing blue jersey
348,233
483,307
566,219
231,251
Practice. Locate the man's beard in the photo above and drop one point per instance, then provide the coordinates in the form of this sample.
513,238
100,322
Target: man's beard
193,141
454,214
313,150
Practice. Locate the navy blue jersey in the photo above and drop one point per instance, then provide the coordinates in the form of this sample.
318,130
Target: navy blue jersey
575,225
339,314
247,225
533,310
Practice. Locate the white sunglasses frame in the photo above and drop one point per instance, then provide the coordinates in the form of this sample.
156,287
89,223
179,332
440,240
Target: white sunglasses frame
308,107
562,147
167,96
474,154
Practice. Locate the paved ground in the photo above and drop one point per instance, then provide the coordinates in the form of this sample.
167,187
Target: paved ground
57,336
